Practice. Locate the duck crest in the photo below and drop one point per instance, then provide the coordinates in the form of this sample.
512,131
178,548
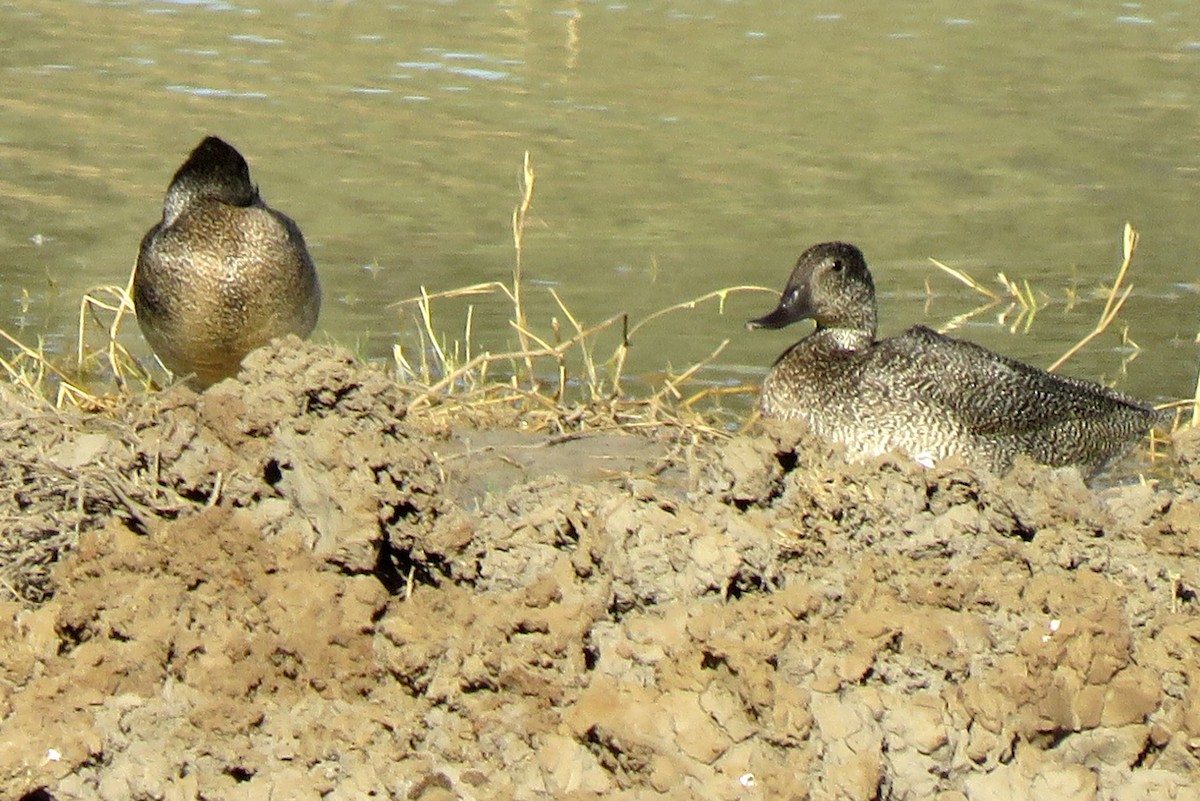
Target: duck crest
926,394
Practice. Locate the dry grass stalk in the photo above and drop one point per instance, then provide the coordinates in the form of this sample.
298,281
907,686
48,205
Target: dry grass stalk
90,302
1116,298
120,361
1195,400
671,385
720,295
483,288
968,280
1196,403
594,383
1021,296
518,226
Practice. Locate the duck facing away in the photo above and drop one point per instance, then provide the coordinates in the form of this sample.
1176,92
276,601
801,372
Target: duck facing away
926,394
223,273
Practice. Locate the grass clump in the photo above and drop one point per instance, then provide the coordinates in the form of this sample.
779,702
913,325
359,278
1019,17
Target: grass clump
542,371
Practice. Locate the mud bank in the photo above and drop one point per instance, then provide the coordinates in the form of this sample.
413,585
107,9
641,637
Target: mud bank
286,587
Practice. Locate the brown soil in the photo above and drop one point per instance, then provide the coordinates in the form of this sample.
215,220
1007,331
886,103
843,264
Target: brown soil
285,588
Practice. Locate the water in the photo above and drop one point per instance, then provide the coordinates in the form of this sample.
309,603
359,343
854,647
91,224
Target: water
678,147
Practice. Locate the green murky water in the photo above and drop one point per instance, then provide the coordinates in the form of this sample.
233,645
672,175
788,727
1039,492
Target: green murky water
679,148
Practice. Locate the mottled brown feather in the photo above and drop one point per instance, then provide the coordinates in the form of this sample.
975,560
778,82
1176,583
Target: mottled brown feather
222,273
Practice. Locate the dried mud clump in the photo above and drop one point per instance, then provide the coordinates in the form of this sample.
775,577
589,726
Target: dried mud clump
287,588
307,441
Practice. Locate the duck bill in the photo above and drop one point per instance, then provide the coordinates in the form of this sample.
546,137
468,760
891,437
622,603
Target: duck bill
784,314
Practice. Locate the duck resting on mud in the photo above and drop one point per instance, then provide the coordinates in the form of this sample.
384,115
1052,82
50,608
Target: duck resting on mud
222,273
925,394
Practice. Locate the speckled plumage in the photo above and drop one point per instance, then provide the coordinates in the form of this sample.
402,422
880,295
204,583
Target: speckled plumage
926,394
223,272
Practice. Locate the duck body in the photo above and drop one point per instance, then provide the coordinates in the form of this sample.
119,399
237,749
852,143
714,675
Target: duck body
925,394
222,273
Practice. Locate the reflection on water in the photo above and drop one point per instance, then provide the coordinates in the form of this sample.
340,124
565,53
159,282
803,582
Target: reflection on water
679,148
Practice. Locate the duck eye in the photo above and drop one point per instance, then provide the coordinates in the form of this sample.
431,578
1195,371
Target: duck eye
836,266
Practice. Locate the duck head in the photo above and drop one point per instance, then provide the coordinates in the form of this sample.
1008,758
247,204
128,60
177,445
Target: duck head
216,171
831,285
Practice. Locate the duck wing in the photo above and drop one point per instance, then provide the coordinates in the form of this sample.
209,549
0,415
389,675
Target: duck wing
990,394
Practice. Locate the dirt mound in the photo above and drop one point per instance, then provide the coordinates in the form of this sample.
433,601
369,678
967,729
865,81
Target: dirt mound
287,587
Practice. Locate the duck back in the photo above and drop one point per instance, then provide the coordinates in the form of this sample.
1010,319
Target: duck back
222,273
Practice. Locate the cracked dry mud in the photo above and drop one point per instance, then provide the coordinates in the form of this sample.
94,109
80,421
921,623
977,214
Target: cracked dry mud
286,588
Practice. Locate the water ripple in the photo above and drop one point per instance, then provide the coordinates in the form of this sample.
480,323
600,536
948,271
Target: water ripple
204,91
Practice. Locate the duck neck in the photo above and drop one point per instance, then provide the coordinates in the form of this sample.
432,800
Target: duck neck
175,203
851,331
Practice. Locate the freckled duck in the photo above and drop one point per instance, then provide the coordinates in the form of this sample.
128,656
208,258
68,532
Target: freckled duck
926,394
223,272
